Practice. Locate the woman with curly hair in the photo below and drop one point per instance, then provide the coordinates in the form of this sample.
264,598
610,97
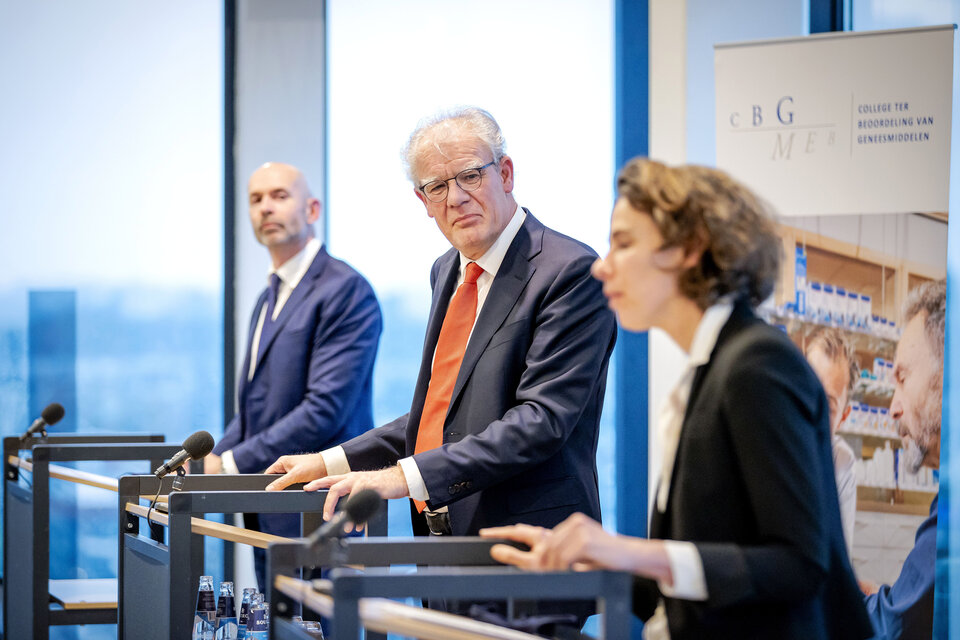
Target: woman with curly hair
746,540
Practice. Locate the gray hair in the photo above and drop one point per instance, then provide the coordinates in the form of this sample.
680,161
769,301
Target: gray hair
929,298
472,119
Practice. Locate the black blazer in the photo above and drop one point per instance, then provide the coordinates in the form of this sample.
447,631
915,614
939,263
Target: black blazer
753,487
520,436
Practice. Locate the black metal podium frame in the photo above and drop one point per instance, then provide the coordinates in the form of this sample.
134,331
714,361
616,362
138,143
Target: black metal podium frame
159,570
450,567
27,612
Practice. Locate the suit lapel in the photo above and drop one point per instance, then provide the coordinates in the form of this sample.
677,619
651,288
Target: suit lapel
244,372
739,318
297,296
447,272
512,277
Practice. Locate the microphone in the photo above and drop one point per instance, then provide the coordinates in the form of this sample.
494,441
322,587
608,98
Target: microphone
359,508
195,447
50,415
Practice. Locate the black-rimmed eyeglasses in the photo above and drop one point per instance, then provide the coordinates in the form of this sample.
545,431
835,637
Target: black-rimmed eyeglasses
468,180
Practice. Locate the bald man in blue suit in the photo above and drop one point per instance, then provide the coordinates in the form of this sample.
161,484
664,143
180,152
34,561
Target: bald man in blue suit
306,381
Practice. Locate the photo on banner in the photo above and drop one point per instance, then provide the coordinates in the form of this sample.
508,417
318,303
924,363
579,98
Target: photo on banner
847,137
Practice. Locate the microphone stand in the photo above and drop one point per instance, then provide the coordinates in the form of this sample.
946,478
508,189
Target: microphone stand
181,474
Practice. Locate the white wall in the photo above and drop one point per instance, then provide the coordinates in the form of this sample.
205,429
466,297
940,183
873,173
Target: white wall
682,96
280,89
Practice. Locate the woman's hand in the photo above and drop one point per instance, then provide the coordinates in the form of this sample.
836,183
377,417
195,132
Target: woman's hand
579,543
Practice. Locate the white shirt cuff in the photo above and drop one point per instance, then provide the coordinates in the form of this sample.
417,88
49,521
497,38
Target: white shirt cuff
689,583
335,460
227,463
415,484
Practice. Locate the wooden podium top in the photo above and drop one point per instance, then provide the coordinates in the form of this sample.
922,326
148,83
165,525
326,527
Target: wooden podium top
91,593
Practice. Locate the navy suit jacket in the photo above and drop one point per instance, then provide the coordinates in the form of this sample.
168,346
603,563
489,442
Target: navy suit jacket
753,488
904,610
312,388
520,436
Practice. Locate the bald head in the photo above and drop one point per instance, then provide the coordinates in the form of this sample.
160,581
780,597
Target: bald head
282,209
280,171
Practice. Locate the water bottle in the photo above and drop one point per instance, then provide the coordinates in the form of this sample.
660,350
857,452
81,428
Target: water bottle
314,629
248,594
258,622
226,613
204,621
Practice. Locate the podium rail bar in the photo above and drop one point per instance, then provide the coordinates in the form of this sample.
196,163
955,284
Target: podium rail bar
27,610
461,569
160,567
387,616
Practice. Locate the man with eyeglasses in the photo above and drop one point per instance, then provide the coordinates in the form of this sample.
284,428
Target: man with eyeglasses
505,415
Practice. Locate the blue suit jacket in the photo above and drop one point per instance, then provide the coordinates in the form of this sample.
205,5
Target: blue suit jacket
904,610
312,388
520,436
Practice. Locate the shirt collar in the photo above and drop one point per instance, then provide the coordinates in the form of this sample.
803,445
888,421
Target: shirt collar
705,337
491,260
293,270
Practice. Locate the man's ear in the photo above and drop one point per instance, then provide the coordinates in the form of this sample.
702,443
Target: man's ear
506,173
314,209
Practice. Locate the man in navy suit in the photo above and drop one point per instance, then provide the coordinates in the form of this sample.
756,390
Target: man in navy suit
504,420
904,610
306,381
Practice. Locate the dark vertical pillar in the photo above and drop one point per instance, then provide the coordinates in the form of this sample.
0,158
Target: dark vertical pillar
52,377
631,67
52,354
632,117
229,228
826,16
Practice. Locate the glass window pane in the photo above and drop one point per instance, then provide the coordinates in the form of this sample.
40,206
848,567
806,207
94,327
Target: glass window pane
111,291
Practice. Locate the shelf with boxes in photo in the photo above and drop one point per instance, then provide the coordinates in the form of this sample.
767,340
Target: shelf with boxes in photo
826,282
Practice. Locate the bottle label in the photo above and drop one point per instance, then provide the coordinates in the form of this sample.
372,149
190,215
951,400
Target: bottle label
226,607
258,623
205,604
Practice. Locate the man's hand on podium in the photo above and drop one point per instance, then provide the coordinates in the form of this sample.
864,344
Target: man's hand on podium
300,468
390,483
212,464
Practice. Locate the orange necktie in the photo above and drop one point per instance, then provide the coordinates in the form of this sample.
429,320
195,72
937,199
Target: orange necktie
451,345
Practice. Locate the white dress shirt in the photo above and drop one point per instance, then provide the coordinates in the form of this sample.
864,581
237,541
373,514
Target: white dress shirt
335,459
291,273
689,582
843,464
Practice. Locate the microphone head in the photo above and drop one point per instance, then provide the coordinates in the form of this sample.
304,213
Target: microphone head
198,445
52,413
362,506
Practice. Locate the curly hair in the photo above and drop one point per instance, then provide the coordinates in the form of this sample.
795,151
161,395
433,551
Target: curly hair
703,209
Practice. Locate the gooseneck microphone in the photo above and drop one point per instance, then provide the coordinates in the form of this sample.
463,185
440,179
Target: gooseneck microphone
195,447
50,415
359,508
